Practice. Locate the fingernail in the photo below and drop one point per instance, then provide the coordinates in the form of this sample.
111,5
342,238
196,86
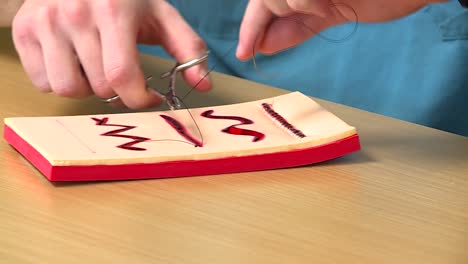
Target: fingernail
239,51
242,55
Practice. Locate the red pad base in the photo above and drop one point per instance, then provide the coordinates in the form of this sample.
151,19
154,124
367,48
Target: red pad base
184,168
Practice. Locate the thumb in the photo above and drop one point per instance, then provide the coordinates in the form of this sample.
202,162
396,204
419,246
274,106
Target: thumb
183,44
256,19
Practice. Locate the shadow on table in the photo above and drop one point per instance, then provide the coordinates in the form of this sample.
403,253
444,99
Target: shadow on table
432,147
6,43
358,157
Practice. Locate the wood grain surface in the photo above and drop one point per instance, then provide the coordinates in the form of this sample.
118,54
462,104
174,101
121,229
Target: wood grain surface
402,199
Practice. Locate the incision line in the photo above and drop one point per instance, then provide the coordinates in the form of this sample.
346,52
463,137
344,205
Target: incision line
75,136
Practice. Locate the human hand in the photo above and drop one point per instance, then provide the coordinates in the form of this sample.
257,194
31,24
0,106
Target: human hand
270,26
275,25
83,47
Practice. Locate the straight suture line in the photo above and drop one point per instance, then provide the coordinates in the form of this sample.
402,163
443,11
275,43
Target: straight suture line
75,136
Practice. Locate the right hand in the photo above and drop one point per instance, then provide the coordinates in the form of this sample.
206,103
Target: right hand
55,38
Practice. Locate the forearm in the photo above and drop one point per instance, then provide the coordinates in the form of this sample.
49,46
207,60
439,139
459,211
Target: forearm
8,10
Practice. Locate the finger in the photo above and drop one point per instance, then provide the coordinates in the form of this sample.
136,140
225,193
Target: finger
278,7
182,43
312,7
63,69
89,51
32,59
118,31
62,66
256,19
30,52
85,36
286,32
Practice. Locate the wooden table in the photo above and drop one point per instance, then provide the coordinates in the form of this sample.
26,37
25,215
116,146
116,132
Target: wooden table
402,199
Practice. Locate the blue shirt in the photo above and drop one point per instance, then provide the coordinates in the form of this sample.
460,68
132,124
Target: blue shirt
414,68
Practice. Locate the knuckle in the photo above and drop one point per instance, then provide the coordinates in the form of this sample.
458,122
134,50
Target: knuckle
26,23
75,12
194,48
118,75
46,14
109,7
45,20
22,28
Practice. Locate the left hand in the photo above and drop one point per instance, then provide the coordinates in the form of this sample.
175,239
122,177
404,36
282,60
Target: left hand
275,25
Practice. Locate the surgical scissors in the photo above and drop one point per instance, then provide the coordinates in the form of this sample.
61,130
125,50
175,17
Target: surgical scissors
170,97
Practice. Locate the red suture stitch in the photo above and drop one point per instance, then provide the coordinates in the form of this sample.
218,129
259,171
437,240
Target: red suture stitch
282,121
181,130
116,133
234,130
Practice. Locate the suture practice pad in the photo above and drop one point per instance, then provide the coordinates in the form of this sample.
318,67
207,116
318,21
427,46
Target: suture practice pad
285,131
